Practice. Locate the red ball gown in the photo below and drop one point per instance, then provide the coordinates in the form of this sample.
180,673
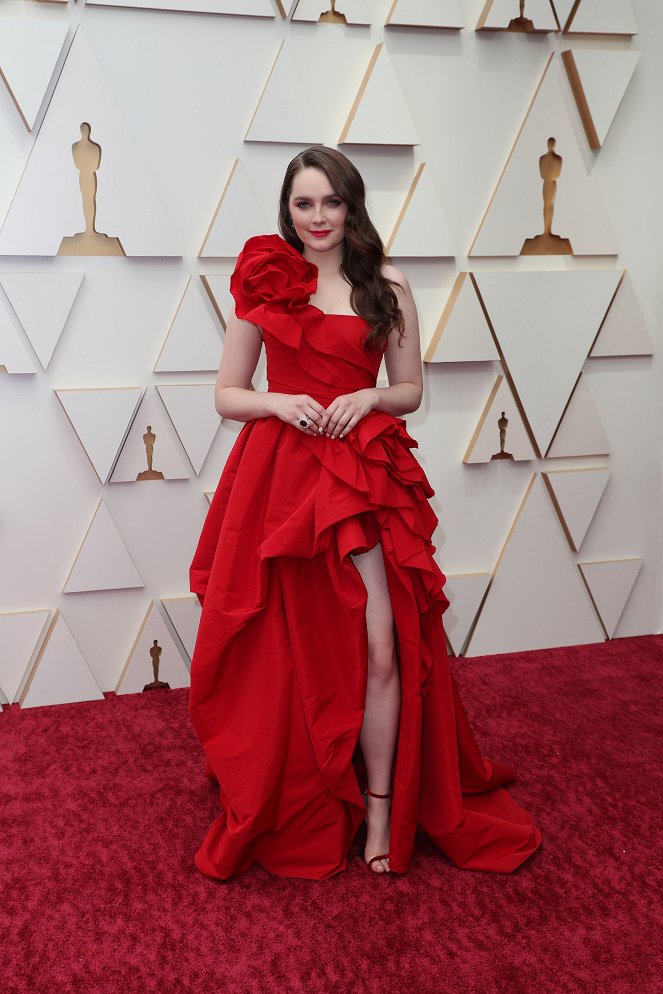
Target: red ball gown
278,677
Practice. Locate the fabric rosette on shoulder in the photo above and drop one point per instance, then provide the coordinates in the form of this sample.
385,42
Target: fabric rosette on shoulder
272,281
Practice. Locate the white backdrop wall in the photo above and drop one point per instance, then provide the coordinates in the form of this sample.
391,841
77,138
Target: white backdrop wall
186,86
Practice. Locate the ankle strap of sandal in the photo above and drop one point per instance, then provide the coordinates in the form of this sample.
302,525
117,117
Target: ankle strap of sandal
371,794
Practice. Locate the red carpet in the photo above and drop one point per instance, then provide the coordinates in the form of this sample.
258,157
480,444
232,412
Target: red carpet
104,804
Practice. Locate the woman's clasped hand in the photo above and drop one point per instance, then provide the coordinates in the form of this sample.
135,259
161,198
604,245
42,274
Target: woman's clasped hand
335,421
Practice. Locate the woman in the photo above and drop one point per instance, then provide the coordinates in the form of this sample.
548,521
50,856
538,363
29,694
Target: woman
320,635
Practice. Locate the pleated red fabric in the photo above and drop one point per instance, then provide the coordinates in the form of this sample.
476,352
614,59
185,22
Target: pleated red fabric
278,676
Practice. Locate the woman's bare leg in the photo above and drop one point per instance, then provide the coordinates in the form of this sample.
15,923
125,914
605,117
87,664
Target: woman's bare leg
383,700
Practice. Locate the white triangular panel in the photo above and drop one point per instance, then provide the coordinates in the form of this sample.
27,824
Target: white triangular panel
217,287
284,113
609,17
425,14
191,409
238,216
367,122
193,342
545,323
577,493
243,8
354,11
132,462
610,583
599,81
581,431
20,631
485,444
465,592
209,494
623,331
29,52
103,561
14,354
60,674
47,205
184,612
101,419
42,303
537,599
515,212
498,14
138,670
422,228
563,10
462,334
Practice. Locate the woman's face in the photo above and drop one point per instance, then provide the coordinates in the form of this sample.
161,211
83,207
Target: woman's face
317,211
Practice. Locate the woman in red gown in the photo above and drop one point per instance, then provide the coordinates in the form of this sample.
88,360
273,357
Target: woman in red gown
321,627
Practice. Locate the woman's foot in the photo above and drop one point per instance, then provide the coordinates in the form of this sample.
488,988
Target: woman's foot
377,832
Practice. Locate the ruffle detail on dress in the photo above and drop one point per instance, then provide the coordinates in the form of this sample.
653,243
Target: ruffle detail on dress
271,284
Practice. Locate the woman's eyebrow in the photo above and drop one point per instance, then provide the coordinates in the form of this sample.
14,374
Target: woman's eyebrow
327,196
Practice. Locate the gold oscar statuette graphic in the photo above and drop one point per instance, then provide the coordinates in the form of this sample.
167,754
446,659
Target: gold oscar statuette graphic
149,438
521,23
550,167
502,424
87,159
157,684
332,16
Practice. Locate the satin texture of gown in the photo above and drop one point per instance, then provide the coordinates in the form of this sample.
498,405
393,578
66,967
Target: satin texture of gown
279,671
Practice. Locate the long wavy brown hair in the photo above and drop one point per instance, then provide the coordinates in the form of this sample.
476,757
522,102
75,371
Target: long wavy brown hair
372,296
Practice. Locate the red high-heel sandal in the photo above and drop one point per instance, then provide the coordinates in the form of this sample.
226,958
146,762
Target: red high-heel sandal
382,855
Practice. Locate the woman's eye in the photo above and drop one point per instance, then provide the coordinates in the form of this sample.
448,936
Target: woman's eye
334,203
303,204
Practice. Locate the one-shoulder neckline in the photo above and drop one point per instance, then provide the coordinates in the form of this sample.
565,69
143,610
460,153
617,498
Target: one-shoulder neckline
333,314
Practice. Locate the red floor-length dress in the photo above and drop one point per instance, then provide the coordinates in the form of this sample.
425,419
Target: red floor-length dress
278,678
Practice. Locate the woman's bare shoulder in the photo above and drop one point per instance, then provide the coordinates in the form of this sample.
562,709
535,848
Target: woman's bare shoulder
395,275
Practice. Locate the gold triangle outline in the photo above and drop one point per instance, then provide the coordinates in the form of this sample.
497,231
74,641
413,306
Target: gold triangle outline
580,96
66,45
511,153
360,92
568,27
398,24
519,511
507,371
593,562
555,502
605,316
25,330
169,600
127,430
122,675
43,118
131,424
43,632
538,31
85,537
218,206
475,618
170,418
40,655
213,301
569,17
446,314
177,311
